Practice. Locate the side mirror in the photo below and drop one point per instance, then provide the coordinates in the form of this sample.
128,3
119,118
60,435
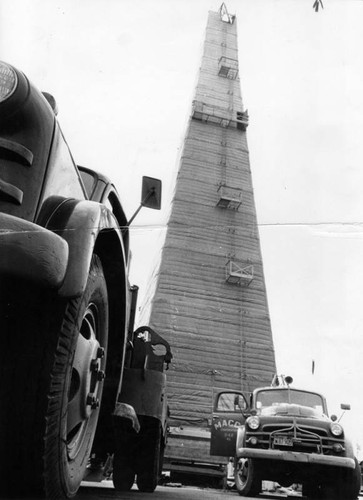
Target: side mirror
151,193
343,407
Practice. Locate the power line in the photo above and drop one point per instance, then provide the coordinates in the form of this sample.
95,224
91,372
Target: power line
151,227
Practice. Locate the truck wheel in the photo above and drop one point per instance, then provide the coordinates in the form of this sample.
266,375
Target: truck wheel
161,456
312,491
347,484
149,460
247,481
76,387
123,474
354,480
52,382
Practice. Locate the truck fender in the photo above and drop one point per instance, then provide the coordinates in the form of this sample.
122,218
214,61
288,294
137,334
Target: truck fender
31,252
241,431
80,223
144,390
126,411
349,449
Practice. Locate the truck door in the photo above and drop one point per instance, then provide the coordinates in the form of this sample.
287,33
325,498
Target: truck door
227,417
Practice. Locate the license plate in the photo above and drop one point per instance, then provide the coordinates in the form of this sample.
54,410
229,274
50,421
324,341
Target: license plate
282,441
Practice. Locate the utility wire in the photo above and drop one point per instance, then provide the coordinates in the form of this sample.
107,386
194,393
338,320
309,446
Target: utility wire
152,227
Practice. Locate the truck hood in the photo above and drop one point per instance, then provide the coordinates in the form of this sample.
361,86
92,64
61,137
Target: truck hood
292,410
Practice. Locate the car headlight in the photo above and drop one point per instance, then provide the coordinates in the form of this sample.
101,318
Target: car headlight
253,422
336,429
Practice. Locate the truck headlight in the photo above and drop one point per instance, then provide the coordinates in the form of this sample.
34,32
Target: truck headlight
336,429
8,81
253,422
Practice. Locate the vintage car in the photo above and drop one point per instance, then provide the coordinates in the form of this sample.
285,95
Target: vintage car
285,435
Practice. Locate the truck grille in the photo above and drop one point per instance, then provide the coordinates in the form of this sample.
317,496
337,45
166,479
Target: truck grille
295,438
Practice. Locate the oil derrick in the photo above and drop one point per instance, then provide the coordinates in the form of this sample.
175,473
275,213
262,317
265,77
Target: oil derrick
210,298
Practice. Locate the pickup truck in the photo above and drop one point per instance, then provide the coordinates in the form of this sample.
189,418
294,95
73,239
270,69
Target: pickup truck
285,435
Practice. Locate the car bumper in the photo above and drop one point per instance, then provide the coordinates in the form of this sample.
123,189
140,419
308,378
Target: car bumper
297,457
30,252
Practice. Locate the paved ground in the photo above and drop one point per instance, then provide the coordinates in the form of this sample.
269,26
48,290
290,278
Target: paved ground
105,491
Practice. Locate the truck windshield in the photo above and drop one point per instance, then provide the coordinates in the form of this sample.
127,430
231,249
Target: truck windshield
274,397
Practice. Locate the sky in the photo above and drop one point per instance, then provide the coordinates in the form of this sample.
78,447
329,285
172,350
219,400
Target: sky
123,74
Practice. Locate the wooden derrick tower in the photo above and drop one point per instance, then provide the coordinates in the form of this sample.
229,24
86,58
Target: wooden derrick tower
209,298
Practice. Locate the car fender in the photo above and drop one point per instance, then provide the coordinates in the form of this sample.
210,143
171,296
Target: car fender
80,224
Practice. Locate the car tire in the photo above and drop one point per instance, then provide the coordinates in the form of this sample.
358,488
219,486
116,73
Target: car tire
247,480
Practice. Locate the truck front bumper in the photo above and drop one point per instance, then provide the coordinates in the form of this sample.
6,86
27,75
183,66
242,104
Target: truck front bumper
299,457
30,252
